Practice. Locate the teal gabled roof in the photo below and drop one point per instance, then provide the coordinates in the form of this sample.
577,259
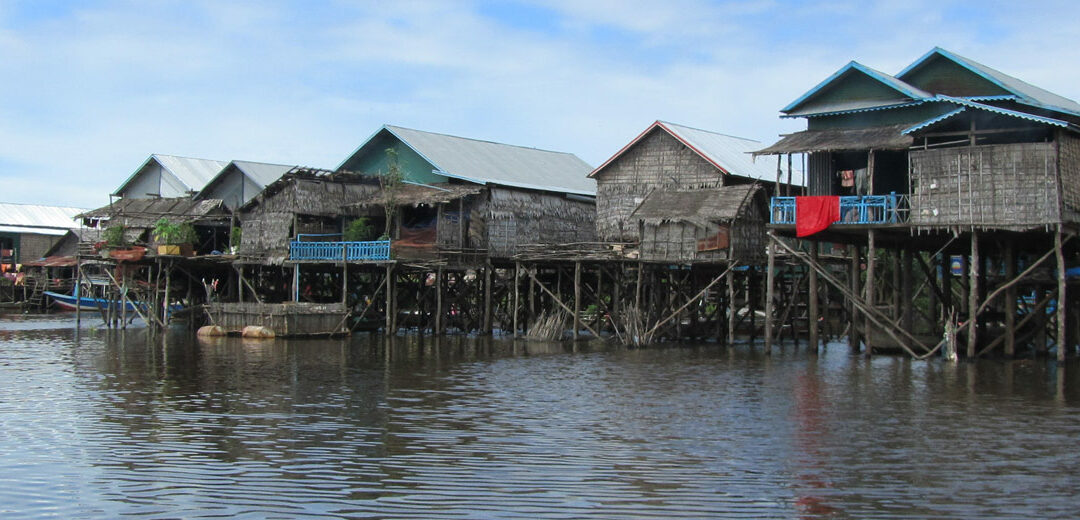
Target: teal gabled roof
1025,93
904,93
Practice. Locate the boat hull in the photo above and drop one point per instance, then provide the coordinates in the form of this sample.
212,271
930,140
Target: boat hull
71,303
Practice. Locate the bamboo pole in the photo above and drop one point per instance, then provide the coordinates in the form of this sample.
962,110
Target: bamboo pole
907,303
853,286
973,295
390,300
487,299
555,299
577,299
701,293
439,299
812,305
731,307
871,272
1010,299
770,279
517,275
1062,340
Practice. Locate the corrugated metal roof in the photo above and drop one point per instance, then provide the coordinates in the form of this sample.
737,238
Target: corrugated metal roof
1003,111
34,215
909,92
729,153
1028,93
495,163
193,173
33,230
262,173
933,120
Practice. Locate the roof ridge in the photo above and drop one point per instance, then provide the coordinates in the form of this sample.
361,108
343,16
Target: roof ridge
488,141
707,131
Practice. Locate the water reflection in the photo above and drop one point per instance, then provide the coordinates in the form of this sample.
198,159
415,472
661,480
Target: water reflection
113,423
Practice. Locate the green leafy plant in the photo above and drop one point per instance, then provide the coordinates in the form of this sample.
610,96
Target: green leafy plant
171,233
235,236
114,236
358,230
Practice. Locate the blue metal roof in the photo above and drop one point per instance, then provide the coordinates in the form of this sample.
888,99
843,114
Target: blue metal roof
1026,93
967,103
899,86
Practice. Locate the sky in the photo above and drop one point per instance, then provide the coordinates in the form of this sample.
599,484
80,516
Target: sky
91,89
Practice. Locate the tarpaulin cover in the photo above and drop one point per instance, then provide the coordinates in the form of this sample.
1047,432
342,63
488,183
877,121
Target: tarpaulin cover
813,214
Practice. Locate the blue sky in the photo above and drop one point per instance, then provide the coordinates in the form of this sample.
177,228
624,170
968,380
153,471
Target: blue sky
92,88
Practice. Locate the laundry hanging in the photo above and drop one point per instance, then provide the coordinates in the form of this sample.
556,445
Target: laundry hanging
814,214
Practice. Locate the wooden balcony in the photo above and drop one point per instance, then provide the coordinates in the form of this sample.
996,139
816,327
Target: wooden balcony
863,210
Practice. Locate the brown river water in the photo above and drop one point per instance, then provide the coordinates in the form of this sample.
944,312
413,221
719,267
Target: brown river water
110,424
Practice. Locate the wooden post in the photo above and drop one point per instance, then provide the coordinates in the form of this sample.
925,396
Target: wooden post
854,338
1062,340
615,297
78,289
871,259
390,321
812,305
487,298
731,308
637,290
1010,299
973,295
907,281
577,298
517,276
532,299
165,296
769,282
439,300
344,283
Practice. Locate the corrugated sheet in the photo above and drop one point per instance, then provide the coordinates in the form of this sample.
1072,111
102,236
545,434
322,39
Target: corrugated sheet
33,230
496,163
194,173
732,154
262,173
907,92
144,212
1003,111
1029,94
34,215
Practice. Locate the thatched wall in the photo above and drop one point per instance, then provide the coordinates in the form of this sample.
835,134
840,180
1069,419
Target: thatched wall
1069,166
1003,186
656,161
519,217
741,237
317,205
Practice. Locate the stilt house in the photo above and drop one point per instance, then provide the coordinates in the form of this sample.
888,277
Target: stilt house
27,231
495,198
932,159
685,195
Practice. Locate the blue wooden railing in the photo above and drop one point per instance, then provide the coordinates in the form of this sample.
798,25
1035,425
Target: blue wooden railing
336,250
860,209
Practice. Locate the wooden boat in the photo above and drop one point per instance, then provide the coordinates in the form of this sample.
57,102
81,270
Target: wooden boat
86,303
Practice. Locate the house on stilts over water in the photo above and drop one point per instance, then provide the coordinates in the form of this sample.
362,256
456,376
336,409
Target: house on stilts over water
688,209
956,189
412,225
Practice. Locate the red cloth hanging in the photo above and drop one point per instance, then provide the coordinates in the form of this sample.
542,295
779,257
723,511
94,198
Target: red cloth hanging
813,214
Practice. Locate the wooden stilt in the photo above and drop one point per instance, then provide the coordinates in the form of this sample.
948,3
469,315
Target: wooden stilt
871,260
769,283
731,307
390,293
78,290
907,282
973,295
854,339
439,280
487,299
532,299
577,299
813,313
637,289
1062,340
1010,299
517,276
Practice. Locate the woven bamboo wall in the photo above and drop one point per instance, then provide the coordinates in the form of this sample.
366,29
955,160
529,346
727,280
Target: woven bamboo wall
285,319
658,160
1005,186
1069,166
519,217
677,243
748,239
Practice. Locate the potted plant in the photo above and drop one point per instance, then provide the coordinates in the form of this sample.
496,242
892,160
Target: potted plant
173,238
112,238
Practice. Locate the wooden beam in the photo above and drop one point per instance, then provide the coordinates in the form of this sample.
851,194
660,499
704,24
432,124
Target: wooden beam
812,303
770,281
1062,340
974,267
